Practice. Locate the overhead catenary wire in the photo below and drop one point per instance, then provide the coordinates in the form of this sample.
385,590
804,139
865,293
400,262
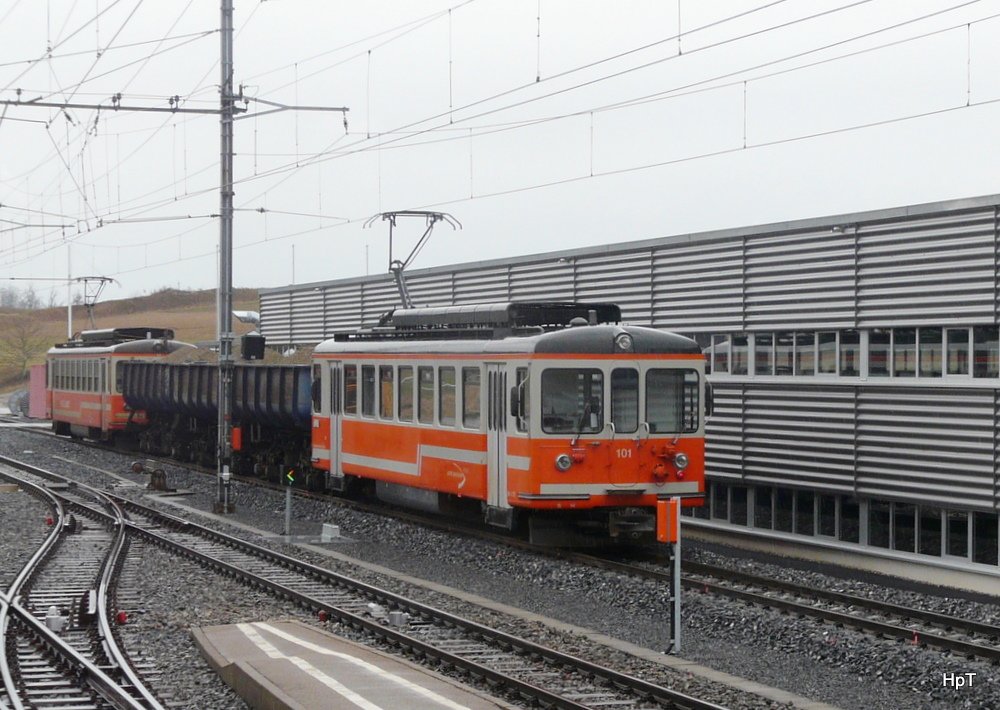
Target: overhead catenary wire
636,168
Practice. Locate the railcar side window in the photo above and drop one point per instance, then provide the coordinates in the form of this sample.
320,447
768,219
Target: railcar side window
470,397
625,399
405,393
671,401
425,395
317,388
385,391
350,389
368,390
446,396
520,381
572,401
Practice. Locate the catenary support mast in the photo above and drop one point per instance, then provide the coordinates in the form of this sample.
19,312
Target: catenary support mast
224,299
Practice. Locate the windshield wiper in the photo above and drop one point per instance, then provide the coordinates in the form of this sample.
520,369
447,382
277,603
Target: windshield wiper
583,420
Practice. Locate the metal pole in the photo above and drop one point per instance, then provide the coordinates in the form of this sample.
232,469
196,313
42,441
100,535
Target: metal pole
288,510
225,289
69,295
676,621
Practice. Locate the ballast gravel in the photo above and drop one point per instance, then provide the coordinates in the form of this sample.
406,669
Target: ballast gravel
838,666
23,528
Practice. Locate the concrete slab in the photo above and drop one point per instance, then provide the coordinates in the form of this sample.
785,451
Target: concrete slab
289,665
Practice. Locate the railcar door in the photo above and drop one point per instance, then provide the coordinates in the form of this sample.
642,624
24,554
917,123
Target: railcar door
336,399
498,510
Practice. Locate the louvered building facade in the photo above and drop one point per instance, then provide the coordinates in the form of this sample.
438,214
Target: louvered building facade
855,361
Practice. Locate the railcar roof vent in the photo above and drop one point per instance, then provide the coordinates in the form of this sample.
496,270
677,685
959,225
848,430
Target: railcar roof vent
486,320
114,336
512,314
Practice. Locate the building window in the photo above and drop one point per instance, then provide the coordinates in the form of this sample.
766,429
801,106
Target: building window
368,390
958,351
930,352
783,502
783,353
470,397
879,345
805,512
446,396
957,542
850,353
986,352
720,354
763,507
720,501
827,515
850,519
805,353
425,395
350,389
385,391
929,542
406,393
763,344
878,523
740,355
738,505
904,352
904,526
827,349
984,538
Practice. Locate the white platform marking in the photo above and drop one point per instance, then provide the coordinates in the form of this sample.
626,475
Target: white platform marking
370,667
310,669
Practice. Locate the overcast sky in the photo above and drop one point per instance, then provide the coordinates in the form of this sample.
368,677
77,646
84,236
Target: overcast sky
538,125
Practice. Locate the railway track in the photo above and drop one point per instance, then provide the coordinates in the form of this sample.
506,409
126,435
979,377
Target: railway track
884,619
967,637
57,648
510,664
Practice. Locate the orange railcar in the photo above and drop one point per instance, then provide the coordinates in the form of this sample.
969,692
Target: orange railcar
551,412
84,388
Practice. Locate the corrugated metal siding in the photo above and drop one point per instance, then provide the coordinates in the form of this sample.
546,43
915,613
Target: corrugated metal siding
801,280
932,446
928,271
698,287
799,435
482,286
542,281
625,279
724,433
342,305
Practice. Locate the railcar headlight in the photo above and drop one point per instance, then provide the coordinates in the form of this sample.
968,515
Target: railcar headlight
681,461
623,341
563,462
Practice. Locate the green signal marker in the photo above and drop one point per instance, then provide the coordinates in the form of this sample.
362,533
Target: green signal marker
290,476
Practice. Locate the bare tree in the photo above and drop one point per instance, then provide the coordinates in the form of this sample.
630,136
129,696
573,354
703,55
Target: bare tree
21,341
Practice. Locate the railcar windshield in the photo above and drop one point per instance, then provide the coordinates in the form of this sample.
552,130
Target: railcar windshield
671,401
572,401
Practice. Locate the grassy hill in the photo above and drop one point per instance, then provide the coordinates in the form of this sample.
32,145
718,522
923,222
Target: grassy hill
190,313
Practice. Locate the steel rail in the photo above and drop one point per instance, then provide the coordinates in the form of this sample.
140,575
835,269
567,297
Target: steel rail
90,673
504,640
5,605
893,630
586,669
